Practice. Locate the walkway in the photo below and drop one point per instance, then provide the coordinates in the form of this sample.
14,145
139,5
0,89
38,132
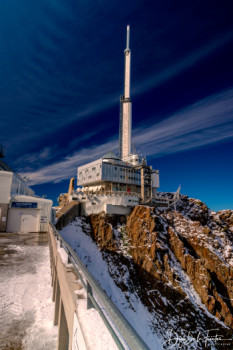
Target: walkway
26,307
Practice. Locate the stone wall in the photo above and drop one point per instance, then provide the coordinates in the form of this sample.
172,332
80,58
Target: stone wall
67,214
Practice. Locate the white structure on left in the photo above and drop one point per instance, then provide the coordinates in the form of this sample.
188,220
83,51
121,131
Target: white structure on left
20,209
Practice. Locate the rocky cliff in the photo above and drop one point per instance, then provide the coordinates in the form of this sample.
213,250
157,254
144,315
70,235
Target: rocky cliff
179,261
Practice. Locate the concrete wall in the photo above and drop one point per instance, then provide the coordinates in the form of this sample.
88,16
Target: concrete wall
67,214
110,204
23,220
117,209
3,216
43,205
93,169
155,180
14,189
65,283
5,186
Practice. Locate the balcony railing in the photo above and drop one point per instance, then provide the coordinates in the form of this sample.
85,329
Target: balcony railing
120,329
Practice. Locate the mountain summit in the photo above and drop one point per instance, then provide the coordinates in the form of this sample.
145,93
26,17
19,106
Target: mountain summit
177,263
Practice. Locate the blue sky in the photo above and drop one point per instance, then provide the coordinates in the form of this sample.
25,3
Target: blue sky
62,66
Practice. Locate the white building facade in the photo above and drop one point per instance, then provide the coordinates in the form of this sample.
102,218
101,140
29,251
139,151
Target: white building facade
20,209
118,173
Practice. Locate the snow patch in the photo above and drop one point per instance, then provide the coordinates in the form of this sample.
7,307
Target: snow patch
134,311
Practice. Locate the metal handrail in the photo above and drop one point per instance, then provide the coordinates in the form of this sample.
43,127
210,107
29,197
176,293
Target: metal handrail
103,302
118,193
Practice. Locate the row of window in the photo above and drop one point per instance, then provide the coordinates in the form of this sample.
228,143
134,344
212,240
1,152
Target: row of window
110,173
94,168
19,188
108,168
130,177
128,170
88,169
115,168
90,176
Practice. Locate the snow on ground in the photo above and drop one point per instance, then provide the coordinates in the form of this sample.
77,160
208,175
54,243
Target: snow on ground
26,305
137,314
42,334
96,335
93,328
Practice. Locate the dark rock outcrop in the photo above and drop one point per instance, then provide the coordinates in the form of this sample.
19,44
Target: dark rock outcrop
102,232
205,255
191,247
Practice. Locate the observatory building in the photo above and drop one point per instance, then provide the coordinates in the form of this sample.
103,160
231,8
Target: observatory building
115,184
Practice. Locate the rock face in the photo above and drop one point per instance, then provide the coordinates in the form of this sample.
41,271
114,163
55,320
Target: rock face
102,232
190,248
198,241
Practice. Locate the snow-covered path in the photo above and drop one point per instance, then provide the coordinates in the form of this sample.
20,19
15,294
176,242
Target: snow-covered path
26,307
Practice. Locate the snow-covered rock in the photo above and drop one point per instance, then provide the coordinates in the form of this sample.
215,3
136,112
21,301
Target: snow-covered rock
177,265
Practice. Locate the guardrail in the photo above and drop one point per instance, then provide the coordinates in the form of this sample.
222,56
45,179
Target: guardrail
124,193
115,193
122,332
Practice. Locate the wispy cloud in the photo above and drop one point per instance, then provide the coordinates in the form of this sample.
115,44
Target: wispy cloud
37,158
67,168
181,65
206,122
41,117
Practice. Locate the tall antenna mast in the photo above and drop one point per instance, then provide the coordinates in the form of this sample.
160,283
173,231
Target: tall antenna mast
127,53
126,106
128,36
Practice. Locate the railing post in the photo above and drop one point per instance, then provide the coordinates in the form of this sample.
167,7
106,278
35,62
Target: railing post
90,304
57,299
63,332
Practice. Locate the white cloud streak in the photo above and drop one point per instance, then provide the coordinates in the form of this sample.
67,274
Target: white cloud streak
183,64
67,168
206,122
89,110
46,153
